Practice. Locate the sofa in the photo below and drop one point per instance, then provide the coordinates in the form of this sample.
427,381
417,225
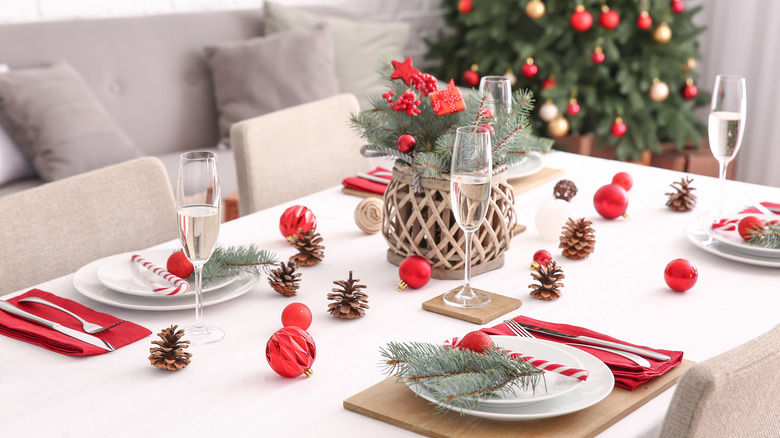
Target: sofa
154,82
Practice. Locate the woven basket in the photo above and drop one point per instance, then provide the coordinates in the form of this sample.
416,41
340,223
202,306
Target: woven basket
423,224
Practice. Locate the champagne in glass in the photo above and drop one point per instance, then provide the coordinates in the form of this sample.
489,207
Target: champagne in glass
726,125
470,183
198,200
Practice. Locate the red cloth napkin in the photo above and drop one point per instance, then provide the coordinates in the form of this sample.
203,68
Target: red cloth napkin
18,328
769,205
627,374
364,185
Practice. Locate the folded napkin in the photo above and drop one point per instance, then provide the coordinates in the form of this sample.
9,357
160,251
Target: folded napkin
18,328
728,226
368,186
768,205
627,374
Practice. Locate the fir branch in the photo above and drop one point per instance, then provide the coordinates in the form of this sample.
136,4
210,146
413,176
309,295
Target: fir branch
766,237
233,261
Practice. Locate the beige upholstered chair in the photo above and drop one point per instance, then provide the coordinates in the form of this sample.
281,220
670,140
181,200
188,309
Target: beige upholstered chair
56,228
300,150
735,394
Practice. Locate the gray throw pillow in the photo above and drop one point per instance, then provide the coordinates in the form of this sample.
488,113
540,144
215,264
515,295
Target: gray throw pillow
361,47
59,124
267,74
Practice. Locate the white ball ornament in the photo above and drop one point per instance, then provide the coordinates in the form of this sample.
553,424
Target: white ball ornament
551,218
548,111
659,91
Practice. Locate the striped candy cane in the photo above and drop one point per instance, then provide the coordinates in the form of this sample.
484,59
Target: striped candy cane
179,286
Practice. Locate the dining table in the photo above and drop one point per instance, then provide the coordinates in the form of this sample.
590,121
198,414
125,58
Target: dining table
230,390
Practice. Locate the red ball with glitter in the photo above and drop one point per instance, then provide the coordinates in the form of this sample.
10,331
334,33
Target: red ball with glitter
294,218
476,341
291,352
179,265
680,275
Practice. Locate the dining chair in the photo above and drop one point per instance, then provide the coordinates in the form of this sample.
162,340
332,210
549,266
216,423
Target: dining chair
56,228
296,151
730,395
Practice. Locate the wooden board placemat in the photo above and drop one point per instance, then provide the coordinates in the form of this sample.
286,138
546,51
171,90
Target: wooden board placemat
498,305
526,183
395,404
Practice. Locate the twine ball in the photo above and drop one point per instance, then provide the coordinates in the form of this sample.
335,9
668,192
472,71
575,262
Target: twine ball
368,215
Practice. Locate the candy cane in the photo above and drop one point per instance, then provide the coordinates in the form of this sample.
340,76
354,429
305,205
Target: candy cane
180,286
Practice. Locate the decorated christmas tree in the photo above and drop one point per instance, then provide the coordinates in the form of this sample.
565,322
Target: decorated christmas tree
622,70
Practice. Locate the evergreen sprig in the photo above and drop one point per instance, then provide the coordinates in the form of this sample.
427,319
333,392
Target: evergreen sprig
766,237
458,377
231,261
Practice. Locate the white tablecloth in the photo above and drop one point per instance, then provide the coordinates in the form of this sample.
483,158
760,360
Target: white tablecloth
229,389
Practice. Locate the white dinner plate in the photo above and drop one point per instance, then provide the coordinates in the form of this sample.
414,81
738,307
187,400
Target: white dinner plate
736,242
531,164
121,274
599,384
86,283
697,235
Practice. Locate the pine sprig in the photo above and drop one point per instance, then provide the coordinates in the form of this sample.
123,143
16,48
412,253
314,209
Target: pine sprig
458,377
766,237
232,261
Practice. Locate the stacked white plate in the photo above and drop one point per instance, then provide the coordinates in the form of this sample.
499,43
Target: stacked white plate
730,245
118,281
554,395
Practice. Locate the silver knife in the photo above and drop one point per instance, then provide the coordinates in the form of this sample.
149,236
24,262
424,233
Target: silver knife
589,340
83,337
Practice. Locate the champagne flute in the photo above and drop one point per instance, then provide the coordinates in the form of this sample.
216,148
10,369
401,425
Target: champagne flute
498,95
726,125
470,181
198,201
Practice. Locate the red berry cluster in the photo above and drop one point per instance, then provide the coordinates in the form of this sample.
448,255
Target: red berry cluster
408,102
425,83
388,97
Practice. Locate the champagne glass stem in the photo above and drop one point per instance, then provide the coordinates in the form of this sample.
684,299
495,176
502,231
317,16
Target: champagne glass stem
723,165
466,292
199,297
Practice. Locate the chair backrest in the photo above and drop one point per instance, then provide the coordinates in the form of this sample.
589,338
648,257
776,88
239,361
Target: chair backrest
300,150
733,394
56,228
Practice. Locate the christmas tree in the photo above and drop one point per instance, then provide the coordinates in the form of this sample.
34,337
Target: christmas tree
622,70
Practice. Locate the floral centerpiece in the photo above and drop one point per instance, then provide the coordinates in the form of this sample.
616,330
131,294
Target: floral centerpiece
414,122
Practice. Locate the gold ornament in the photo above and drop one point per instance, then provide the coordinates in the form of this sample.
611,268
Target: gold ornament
558,126
368,215
511,76
662,33
659,91
548,111
535,9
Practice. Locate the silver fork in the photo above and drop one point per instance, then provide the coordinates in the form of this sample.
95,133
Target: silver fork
517,329
89,327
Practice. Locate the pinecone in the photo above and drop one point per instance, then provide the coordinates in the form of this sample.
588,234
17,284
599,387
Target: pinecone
549,277
565,190
350,300
284,279
578,239
169,353
309,246
682,199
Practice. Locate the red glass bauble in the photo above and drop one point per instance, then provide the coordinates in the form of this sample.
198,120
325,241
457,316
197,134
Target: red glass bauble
598,56
298,315
644,21
406,142
618,128
573,108
748,225
623,179
470,78
295,218
680,275
690,91
581,20
609,19
541,257
611,201
179,265
549,83
414,271
291,351
465,6
529,70
678,6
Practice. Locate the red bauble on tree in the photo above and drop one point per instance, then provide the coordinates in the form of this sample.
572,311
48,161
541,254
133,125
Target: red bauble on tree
623,179
611,201
291,352
415,272
406,143
295,218
465,6
549,83
179,265
680,275
690,91
573,108
470,78
581,20
298,315
618,128
644,21
678,6
529,69
541,258
609,19
598,55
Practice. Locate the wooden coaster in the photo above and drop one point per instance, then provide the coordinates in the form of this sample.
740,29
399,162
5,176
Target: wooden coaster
394,403
498,305
526,183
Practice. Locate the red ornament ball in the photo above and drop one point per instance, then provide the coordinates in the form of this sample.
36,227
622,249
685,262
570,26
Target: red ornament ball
611,201
179,265
581,20
295,218
465,6
298,315
690,91
749,224
487,127
476,341
529,70
623,179
598,56
406,142
291,352
678,6
541,257
573,108
680,275
609,19
549,83
415,272
618,128
470,78
644,21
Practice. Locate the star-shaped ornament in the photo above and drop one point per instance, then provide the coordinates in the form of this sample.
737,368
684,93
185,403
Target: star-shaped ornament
404,70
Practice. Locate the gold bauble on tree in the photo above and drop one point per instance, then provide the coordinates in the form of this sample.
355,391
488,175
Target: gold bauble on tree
535,9
662,33
558,126
659,91
510,74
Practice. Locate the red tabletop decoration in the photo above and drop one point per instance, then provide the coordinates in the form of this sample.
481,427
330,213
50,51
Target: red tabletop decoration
415,272
404,70
298,315
291,352
447,101
295,218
